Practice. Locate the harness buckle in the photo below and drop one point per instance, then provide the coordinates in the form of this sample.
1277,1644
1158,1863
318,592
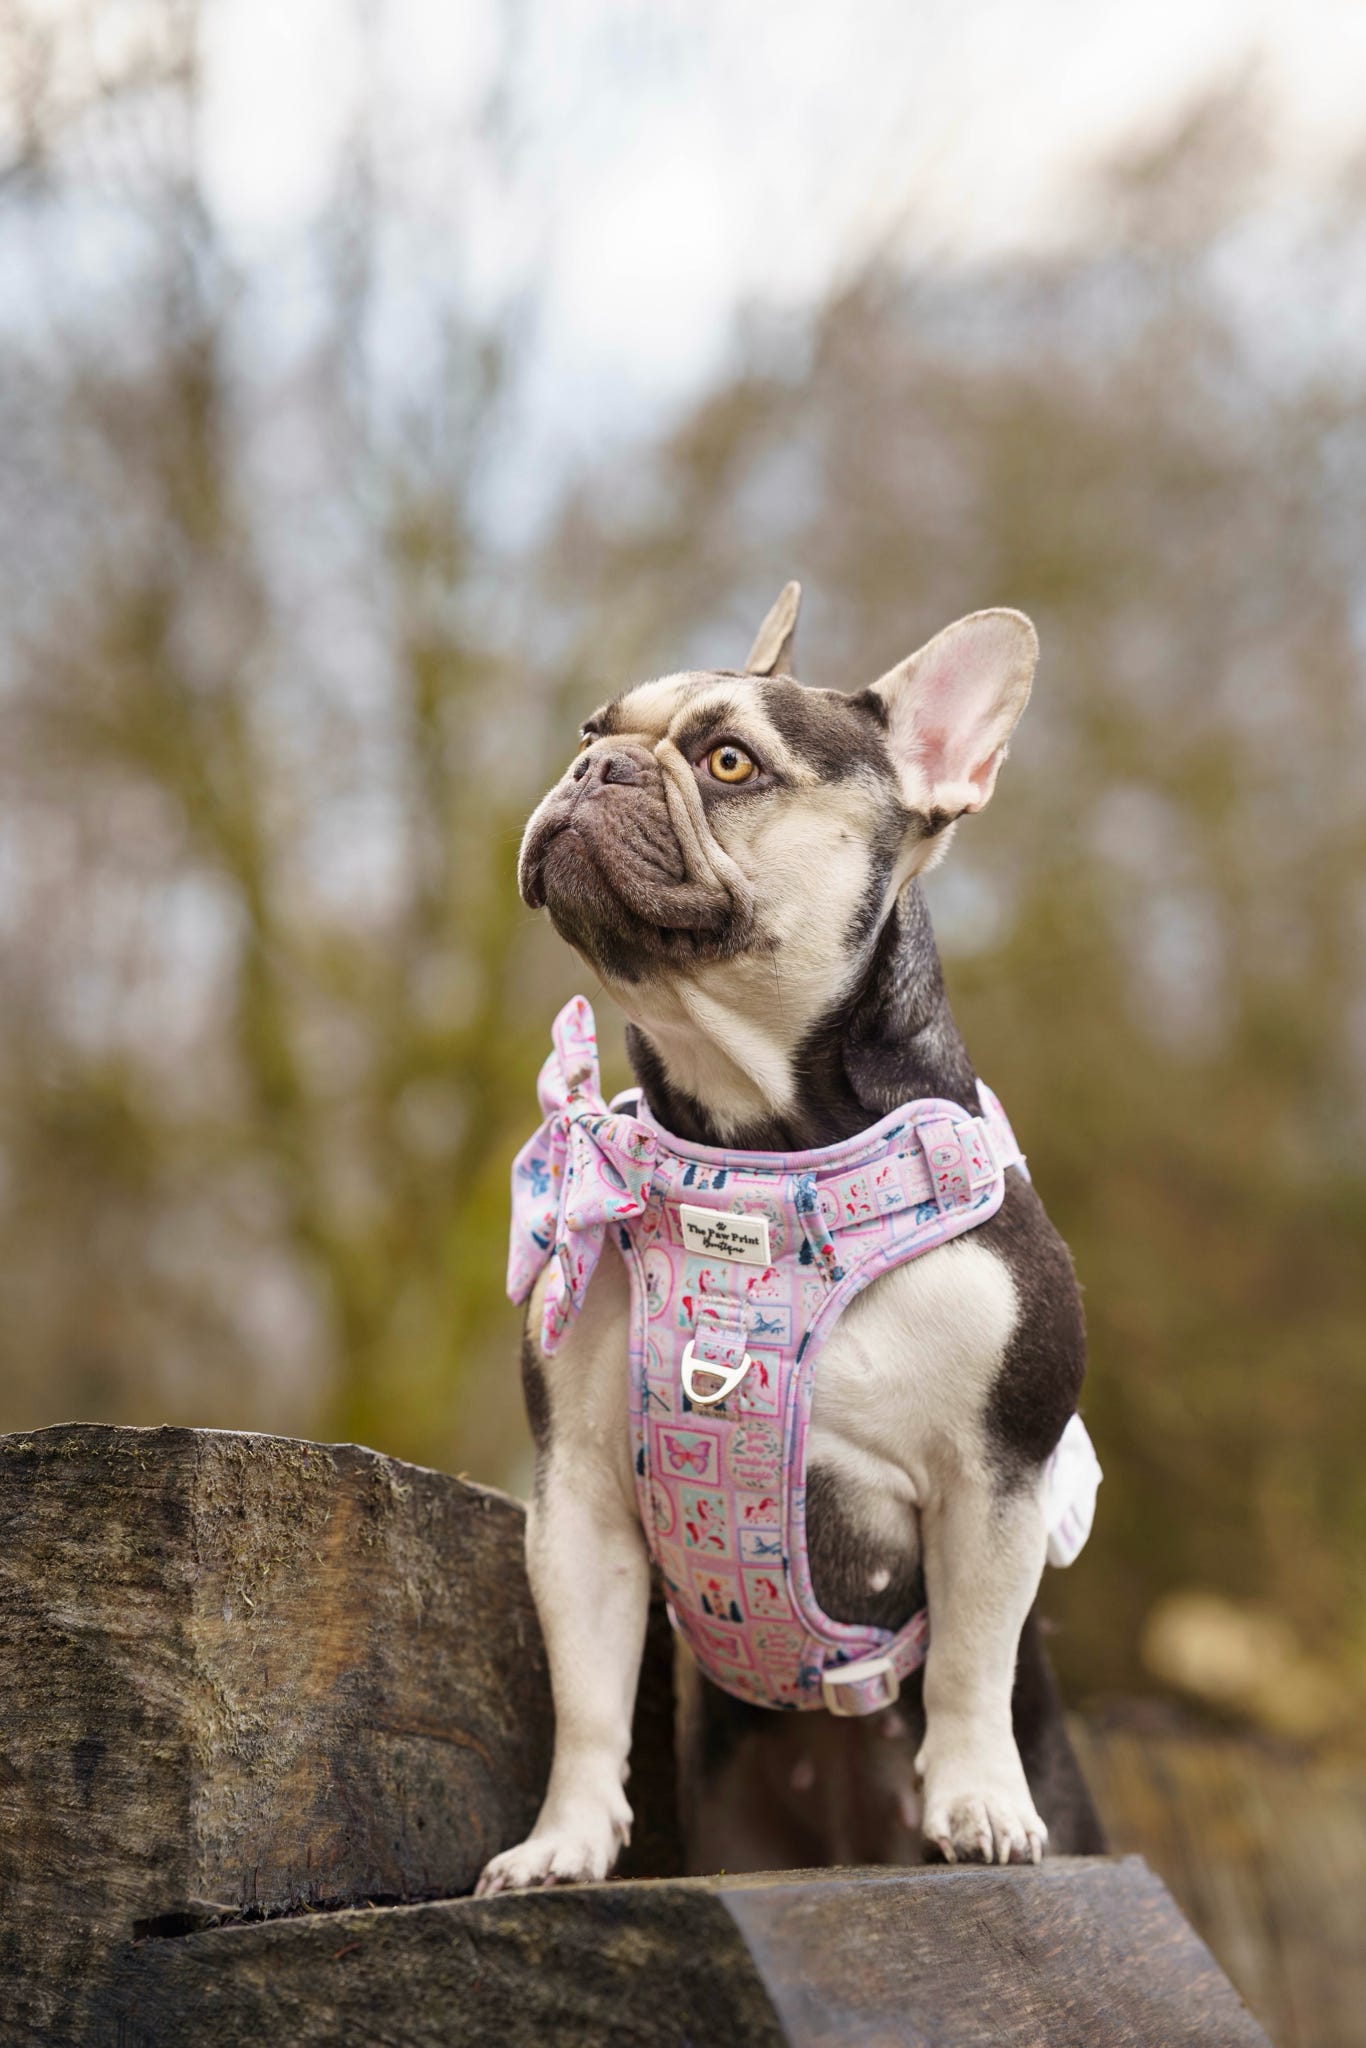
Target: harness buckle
729,1376
861,1688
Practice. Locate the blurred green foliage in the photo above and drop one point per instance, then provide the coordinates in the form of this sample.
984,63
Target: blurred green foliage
278,698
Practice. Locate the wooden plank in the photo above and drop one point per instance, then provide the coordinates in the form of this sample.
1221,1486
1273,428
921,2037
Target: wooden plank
636,1965
1086,1951
1082,1950
245,1673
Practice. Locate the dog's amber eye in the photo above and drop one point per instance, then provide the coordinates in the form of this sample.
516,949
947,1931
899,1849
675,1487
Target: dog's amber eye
730,764
586,739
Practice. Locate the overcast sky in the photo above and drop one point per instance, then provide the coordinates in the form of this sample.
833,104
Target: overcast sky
667,162
658,164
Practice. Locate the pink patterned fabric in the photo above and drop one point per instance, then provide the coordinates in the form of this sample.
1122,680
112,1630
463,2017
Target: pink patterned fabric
722,1482
586,1167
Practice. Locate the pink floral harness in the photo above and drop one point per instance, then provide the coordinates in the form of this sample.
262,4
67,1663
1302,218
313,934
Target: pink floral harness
740,1264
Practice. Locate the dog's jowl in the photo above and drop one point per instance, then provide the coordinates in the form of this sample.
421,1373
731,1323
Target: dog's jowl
799,1330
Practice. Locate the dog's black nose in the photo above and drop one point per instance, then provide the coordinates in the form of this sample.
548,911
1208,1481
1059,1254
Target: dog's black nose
614,764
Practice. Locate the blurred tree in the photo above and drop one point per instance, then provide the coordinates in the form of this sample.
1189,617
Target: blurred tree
277,699
1154,936
264,1050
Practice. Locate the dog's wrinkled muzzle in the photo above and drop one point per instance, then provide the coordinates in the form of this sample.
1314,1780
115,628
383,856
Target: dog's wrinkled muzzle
620,853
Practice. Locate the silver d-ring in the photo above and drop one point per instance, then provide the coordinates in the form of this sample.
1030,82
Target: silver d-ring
730,1377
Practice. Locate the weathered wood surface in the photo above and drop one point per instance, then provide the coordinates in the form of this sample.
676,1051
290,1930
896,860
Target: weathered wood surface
1264,1850
248,1676
1089,1952
1082,1950
245,1673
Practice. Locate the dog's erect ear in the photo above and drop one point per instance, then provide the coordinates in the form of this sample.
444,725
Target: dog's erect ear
951,708
771,653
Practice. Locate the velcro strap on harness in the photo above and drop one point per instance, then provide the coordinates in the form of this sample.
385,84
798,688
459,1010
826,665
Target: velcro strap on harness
949,1162
951,1152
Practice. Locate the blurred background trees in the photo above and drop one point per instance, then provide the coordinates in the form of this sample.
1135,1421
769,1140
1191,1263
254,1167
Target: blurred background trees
296,622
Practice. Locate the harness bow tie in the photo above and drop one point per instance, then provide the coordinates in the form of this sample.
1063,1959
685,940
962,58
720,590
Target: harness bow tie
587,1166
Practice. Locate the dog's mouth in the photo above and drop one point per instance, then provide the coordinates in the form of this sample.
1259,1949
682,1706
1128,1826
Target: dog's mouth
606,864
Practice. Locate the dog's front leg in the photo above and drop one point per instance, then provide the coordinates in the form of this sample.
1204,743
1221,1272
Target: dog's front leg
590,1577
984,1554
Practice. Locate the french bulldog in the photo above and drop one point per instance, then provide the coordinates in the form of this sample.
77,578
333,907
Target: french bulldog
739,859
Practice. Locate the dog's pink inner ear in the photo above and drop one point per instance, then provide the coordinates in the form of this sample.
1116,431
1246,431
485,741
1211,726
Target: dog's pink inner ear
952,707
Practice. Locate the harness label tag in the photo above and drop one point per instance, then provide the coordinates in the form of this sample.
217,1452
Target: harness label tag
718,1234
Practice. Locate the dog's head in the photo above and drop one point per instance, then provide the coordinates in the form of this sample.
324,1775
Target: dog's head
736,838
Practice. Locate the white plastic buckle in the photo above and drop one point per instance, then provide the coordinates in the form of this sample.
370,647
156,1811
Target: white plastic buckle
730,1377
879,1671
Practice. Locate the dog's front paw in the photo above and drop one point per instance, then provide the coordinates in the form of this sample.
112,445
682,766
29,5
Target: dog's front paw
579,1848
978,1810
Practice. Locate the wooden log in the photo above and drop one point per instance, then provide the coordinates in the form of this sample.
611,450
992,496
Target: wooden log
245,1674
1080,1952
243,1677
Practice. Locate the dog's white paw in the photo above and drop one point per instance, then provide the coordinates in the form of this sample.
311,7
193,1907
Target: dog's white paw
978,1810
580,1848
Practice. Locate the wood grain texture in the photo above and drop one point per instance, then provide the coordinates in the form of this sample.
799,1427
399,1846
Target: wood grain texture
244,1676
1082,1950
636,1965
1086,1952
248,1674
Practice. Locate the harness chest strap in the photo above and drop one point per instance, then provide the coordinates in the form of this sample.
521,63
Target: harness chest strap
740,1264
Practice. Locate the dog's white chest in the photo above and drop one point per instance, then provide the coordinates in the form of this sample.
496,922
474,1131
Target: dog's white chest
903,1381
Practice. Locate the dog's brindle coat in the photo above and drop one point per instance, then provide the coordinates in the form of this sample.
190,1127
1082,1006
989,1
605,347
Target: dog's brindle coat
769,941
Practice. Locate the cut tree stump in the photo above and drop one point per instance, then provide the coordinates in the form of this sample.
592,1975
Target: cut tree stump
245,1674
256,1695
